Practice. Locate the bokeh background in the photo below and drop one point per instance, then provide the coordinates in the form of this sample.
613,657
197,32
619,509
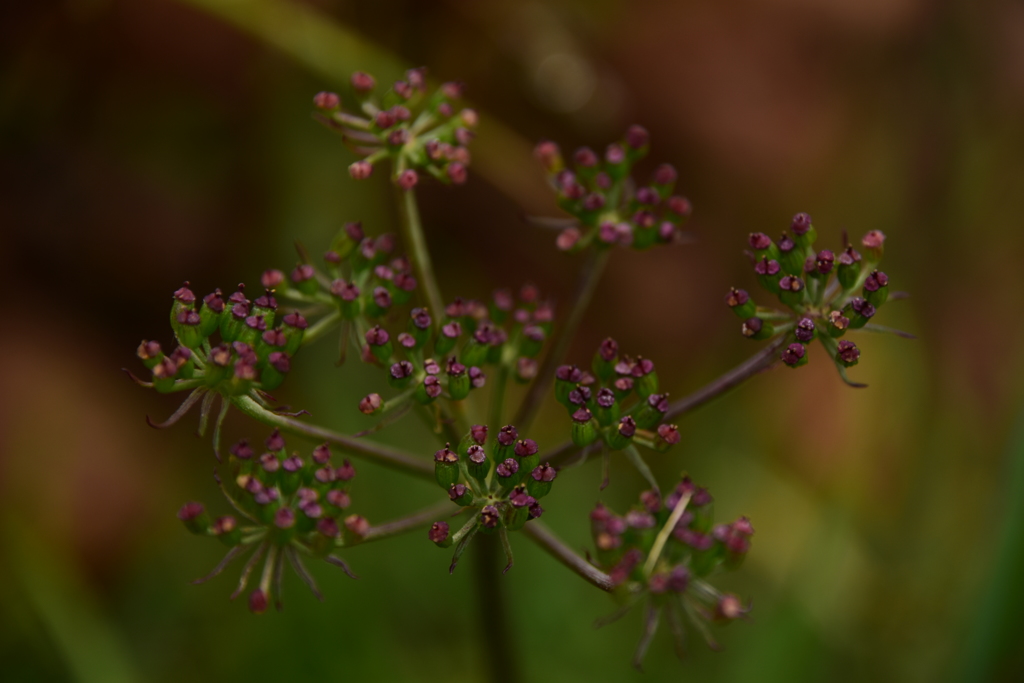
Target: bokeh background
143,142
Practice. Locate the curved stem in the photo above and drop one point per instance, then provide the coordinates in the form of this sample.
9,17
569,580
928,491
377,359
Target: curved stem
411,522
585,288
761,360
416,243
321,327
542,536
383,455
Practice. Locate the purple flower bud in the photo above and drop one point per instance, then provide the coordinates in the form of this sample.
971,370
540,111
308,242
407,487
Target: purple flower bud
593,202
280,361
452,330
457,172
786,245
567,239
766,267
664,174
862,307
407,179
520,498
339,498
284,518
401,370
477,378
438,532
825,261
678,579
183,295
875,281
848,353
322,454
190,511
627,427
614,154
363,82
849,257
548,154
507,435
295,321
326,100
507,468
526,369
729,608
648,196
669,434
804,331
371,404
360,170
585,157
328,526
680,205
457,491
536,511
525,448
242,450
377,336
874,240
801,224
489,517
270,463
446,455
544,473
275,442
637,137
658,401
605,398
357,524
793,354
759,241
258,602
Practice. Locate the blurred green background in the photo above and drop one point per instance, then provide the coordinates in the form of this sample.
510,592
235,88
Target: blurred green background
143,142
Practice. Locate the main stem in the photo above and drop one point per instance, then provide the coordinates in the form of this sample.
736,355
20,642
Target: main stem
585,288
500,650
416,243
500,646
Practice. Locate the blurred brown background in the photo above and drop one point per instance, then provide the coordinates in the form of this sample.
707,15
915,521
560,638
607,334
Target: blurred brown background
143,142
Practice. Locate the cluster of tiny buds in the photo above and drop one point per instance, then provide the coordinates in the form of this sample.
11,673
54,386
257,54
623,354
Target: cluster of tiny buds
599,401
472,334
289,506
826,295
414,128
598,193
361,278
255,348
665,548
500,480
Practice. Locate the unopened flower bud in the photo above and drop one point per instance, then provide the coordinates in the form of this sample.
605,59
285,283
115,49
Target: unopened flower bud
794,355
873,244
489,518
446,467
326,101
757,329
669,434
847,353
360,170
741,303
876,288
379,342
371,404
460,494
849,268
538,483
439,534
195,518
804,330
637,137
407,179
768,274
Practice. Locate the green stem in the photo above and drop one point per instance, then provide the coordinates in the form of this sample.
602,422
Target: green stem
543,537
498,398
416,520
585,289
493,619
321,327
383,455
416,243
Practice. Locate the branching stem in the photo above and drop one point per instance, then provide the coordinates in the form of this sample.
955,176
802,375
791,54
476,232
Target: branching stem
416,243
585,288
383,455
543,537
